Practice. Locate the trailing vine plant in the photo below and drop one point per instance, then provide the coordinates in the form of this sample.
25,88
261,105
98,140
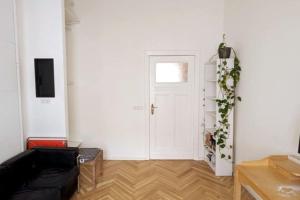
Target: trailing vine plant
228,78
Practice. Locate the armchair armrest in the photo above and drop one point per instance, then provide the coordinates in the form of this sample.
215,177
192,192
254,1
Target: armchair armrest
56,157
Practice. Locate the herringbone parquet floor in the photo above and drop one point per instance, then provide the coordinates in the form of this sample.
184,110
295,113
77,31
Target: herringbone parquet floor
157,180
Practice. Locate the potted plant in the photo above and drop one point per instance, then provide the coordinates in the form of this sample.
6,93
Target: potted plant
228,79
223,50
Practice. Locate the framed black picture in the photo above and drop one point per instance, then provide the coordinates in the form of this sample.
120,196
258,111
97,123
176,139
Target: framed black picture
44,77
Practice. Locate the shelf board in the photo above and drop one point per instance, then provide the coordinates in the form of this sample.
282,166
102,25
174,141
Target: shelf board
210,64
211,113
210,130
211,80
211,98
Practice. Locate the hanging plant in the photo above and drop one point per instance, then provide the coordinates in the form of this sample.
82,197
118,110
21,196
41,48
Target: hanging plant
228,78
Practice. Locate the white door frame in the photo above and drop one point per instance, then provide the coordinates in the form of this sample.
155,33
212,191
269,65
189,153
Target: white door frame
197,115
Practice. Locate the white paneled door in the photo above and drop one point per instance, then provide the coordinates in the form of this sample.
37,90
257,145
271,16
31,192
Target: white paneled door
172,82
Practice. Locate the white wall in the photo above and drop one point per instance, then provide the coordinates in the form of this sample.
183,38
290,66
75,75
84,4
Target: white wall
106,69
10,128
266,37
42,35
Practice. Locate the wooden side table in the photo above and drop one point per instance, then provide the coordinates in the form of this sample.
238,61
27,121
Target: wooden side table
273,178
91,160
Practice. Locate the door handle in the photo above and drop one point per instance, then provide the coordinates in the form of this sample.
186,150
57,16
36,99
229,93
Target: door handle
152,109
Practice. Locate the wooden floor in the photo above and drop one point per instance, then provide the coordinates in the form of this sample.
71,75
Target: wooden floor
157,180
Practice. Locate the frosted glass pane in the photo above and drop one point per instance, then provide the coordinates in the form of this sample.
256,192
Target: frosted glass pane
171,72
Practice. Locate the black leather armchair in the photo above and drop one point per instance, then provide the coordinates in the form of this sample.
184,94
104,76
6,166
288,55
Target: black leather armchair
40,174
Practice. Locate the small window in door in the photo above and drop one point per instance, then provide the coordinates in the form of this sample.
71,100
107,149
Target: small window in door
171,72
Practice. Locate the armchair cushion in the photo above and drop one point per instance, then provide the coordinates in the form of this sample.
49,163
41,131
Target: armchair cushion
54,178
56,157
43,194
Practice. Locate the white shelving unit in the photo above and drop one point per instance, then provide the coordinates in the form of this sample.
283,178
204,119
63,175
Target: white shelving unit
221,166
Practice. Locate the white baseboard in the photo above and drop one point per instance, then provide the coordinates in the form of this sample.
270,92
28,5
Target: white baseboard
199,159
120,157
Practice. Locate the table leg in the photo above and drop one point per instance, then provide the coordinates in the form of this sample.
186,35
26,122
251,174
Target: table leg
101,163
237,186
78,185
94,174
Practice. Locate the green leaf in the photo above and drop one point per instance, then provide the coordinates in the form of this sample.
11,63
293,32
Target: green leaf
223,137
221,45
222,155
239,98
220,141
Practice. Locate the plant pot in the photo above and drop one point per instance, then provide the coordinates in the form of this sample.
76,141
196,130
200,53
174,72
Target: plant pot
224,52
